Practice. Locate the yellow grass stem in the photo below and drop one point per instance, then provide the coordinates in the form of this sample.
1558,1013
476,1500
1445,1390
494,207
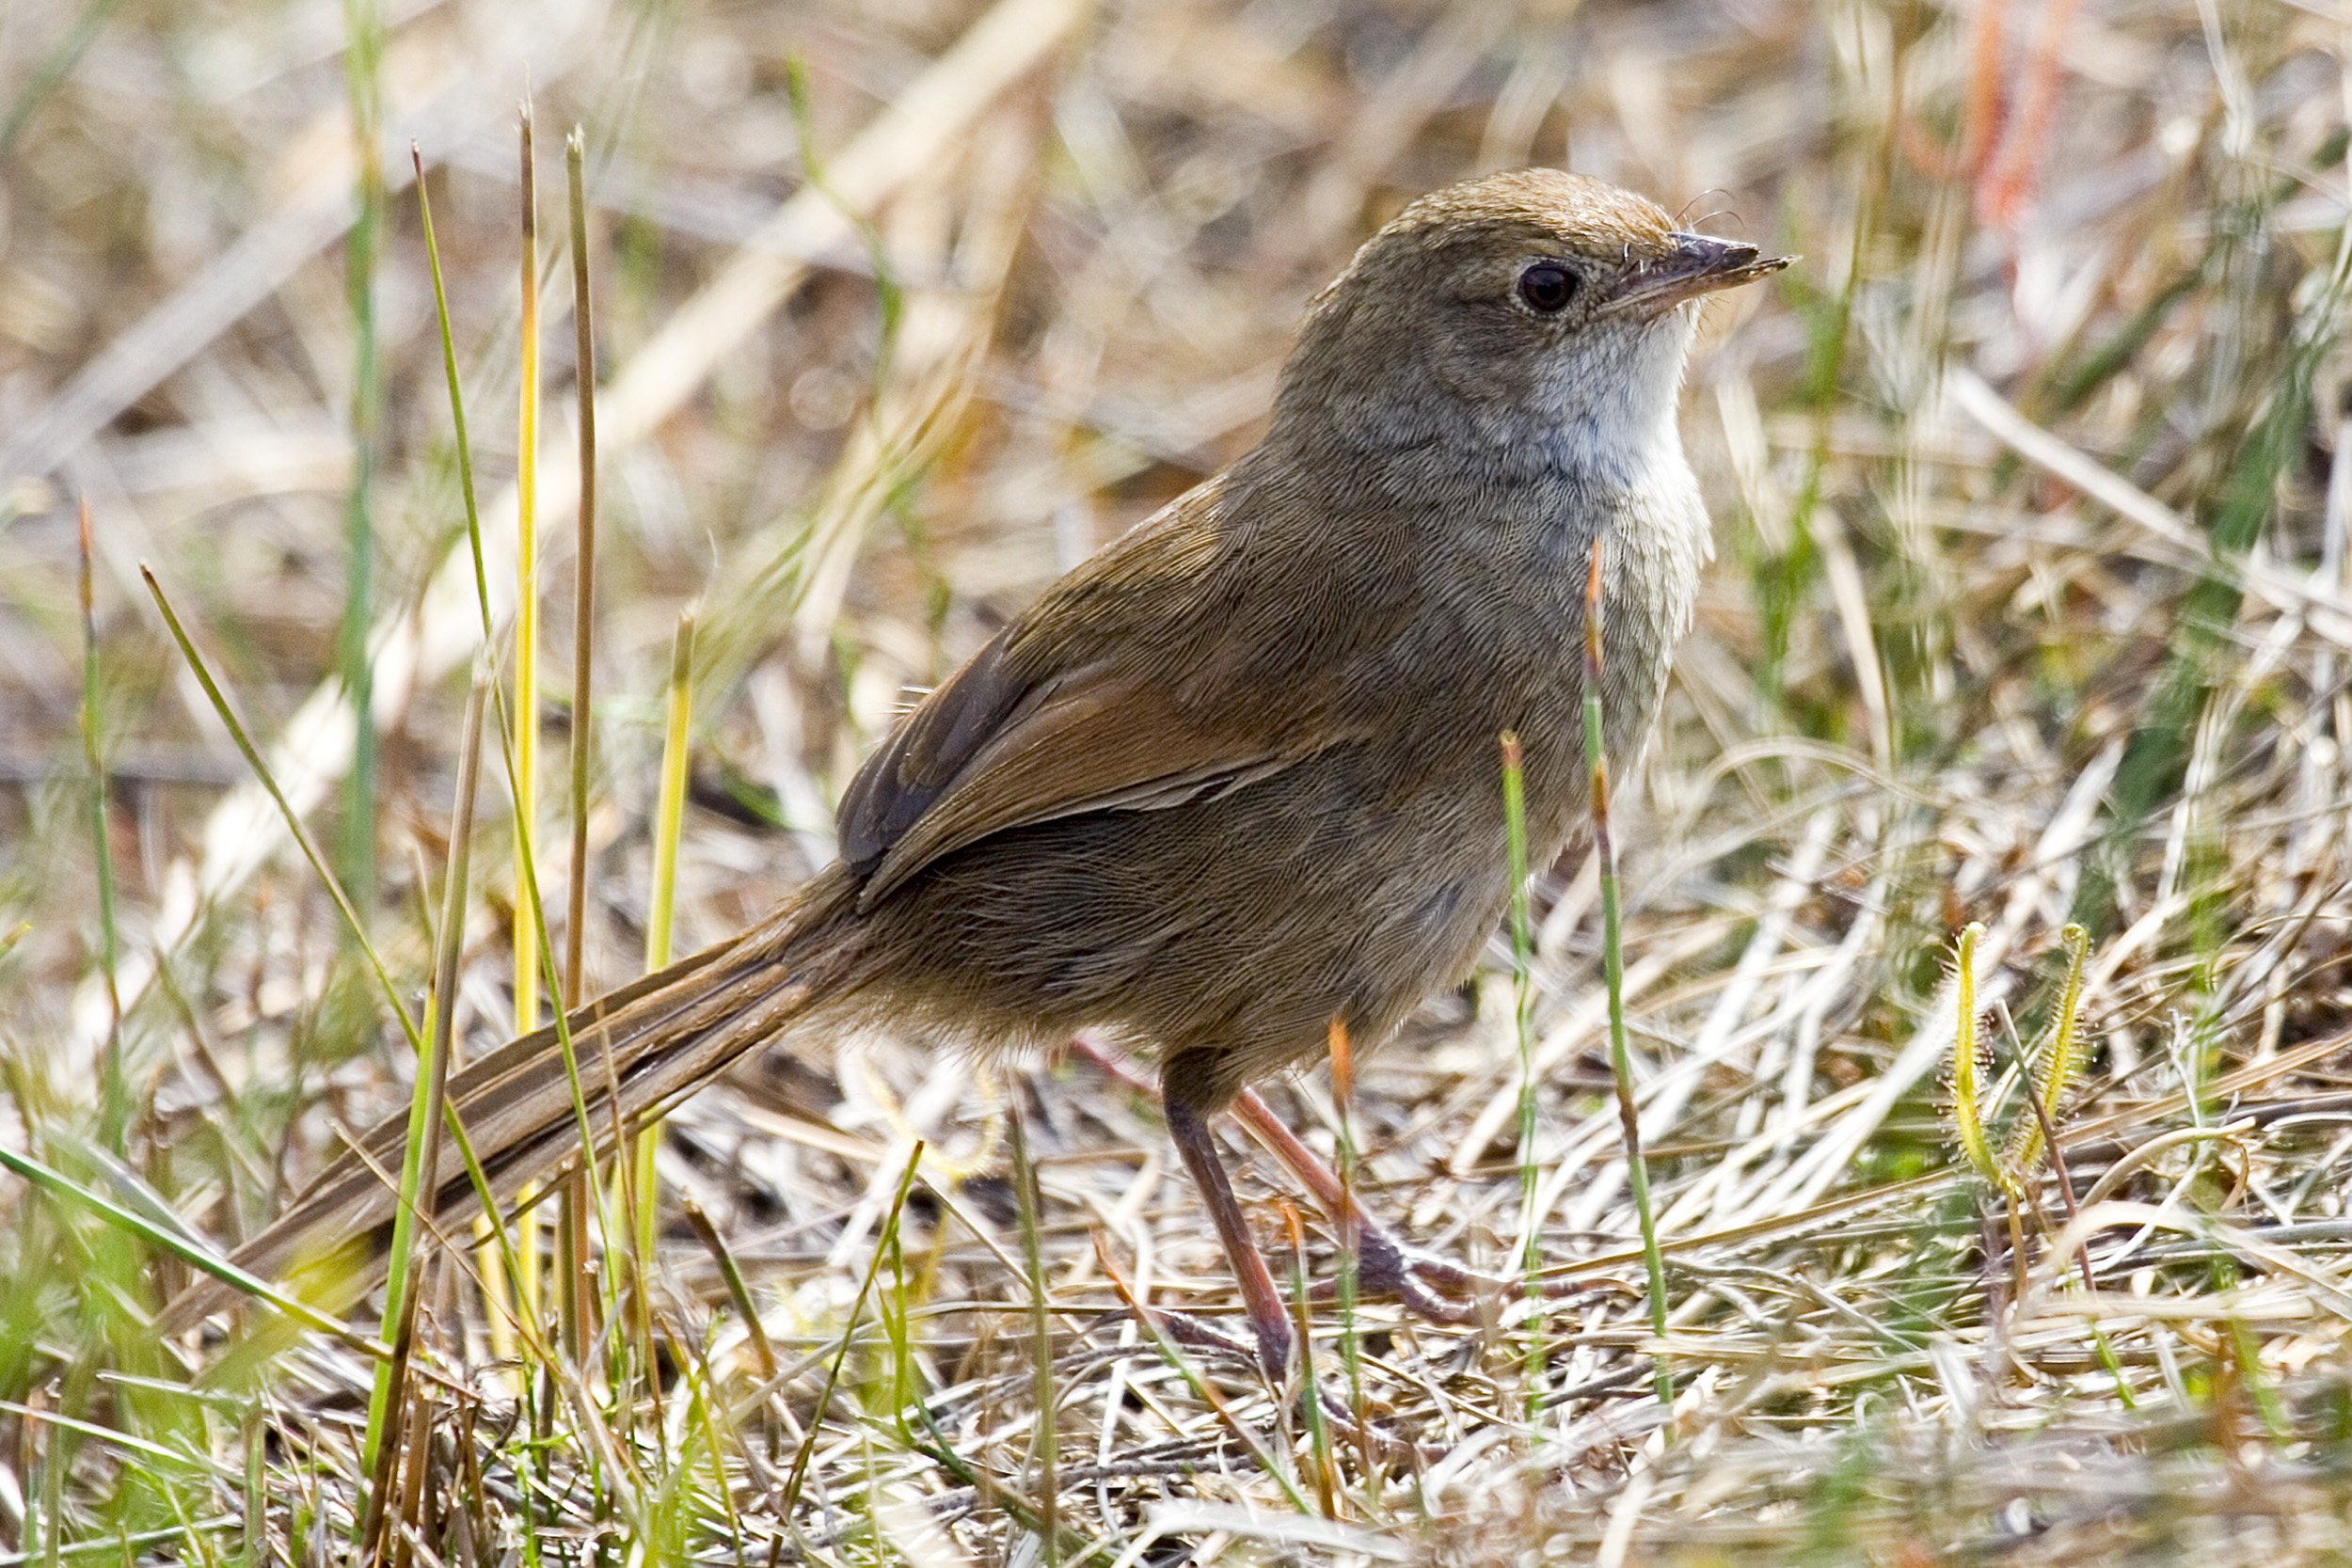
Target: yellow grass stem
668,830
525,712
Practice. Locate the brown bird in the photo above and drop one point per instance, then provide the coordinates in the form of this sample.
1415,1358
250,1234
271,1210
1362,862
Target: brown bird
1234,779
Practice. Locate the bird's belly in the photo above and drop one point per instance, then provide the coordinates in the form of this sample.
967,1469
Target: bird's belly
1241,926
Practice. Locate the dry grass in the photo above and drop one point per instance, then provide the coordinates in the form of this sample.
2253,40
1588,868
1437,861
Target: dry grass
2031,606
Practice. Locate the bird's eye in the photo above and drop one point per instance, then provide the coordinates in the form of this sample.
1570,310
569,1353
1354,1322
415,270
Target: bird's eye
1547,287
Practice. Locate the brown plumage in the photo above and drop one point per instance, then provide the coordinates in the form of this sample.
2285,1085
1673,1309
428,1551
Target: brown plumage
1235,777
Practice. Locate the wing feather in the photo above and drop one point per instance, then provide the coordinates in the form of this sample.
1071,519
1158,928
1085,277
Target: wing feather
1096,746
1123,689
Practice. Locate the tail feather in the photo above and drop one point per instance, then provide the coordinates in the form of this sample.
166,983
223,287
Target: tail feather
656,1039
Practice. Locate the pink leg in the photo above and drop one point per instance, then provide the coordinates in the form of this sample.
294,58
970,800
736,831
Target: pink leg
1385,1262
1258,1296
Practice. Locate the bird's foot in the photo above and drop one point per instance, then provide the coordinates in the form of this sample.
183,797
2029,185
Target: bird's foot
1430,1285
1271,1354
1271,1326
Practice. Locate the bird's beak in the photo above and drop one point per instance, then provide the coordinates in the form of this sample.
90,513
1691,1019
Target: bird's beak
1697,264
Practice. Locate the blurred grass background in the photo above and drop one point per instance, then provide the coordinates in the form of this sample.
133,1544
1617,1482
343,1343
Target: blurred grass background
2031,605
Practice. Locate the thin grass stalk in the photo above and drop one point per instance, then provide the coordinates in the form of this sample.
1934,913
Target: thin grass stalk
2064,1058
420,1161
256,1500
456,394
523,746
703,1403
534,1488
668,832
1523,1027
1350,1263
2021,1277
46,1524
584,580
1047,1446
530,906
402,1529
115,1088
907,1378
1612,971
474,1514
576,1197
499,1260
363,62
1310,1393
2039,1108
738,1288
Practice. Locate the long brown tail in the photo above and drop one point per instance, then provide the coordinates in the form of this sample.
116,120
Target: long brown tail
657,1040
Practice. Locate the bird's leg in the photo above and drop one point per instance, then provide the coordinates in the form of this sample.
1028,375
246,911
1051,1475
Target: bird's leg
1385,1260
1190,1131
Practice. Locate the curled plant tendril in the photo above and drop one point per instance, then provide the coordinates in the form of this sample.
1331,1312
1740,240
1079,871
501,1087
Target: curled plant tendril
2059,1055
1967,1059
2051,1067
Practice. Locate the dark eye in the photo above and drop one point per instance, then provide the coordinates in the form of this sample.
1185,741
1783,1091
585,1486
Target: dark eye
1547,287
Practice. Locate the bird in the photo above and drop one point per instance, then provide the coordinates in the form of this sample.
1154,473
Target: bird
1232,783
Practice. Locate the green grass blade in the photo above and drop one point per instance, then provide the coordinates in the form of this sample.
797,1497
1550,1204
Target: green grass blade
191,1253
1612,970
363,60
114,1084
293,820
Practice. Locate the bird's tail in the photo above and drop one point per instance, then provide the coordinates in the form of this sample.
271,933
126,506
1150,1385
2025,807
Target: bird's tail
637,1051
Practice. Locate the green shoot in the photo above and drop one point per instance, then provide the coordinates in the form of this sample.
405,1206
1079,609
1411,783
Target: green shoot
115,1089
1523,1027
1612,971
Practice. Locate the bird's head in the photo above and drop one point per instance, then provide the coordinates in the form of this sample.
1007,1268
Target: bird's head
1537,314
